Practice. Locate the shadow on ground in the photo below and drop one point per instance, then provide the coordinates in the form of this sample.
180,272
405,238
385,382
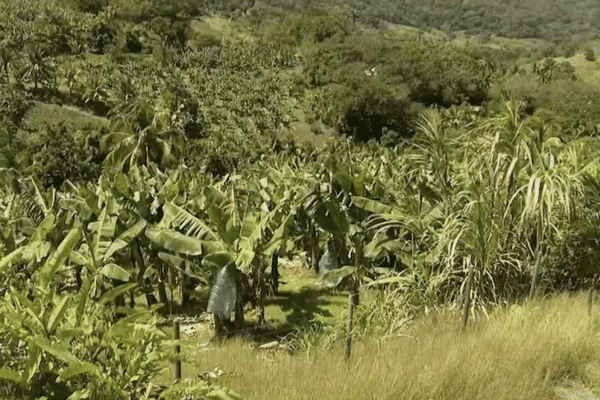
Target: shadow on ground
303,307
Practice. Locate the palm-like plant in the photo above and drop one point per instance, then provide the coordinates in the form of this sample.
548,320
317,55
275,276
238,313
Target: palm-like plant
144,129
36,68
7,58
129,147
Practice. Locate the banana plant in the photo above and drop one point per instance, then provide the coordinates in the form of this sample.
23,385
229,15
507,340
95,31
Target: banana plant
73,337
141,195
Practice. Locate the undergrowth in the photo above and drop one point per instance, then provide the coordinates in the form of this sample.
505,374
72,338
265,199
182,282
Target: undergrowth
527,351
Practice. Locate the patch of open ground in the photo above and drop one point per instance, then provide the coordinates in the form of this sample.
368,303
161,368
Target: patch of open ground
584,69
42,114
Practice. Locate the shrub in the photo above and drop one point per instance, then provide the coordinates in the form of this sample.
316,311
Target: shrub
57,155
103,35
571,103
589,54
224,152
371,117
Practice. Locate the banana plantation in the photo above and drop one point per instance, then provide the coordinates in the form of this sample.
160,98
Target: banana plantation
471,213
164,159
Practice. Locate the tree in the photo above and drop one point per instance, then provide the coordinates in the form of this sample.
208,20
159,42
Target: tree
36,68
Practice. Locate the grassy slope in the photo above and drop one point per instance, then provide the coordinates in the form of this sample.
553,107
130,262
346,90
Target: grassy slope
43,113
546,350
587,71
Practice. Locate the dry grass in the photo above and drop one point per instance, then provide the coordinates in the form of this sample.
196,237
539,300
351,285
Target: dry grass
546,350
585,70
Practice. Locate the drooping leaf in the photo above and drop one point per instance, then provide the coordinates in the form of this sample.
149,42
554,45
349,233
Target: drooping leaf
280,235
104,230
10,375
78,369
36,251
175,241
57,314
56,260
125,238
390,279
120,183
190,224
116,292
172,260
373,206
43,229
56,349
244,258
83,294
218,259
335,277
34,359
114,271
11,258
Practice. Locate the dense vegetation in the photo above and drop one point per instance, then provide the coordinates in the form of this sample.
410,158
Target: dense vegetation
145,146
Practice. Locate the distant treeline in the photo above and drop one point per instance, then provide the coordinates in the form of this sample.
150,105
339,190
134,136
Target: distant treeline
555,20
559,21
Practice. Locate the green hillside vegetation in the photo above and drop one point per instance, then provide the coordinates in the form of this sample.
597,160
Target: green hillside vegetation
434,166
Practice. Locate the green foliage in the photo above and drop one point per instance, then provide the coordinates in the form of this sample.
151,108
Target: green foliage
225,152
315,25
547,19
203,389
36,68
564,102
370,80
103,35
56,156
94,357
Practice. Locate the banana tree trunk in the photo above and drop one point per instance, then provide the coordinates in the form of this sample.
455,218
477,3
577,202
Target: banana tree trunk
314,248
162,293
185,296
78,277
275,273
593,284
239,306
161,281
219,328
138,258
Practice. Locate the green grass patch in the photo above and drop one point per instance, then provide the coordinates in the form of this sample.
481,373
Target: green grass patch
303,300
42,114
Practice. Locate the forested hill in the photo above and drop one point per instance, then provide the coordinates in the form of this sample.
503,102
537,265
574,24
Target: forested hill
562,21
551,19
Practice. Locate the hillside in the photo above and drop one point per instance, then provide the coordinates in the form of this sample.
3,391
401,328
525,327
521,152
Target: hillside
412,185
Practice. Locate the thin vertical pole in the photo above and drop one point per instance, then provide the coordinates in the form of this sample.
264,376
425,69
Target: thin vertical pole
467,296
350,327
177,336
353,297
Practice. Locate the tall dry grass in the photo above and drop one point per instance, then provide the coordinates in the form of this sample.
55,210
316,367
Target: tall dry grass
517,352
